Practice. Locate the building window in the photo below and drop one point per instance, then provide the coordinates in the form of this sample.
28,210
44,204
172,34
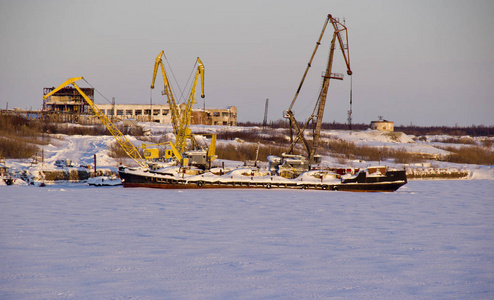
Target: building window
156,112
224,114
165,112
147,112
109,112
216,114
138,112
120,112
129,112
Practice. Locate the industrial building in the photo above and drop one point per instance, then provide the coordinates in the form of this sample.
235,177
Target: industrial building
67,100
67,105
160,113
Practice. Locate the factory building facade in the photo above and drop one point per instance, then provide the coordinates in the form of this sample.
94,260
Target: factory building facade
68,103
160,113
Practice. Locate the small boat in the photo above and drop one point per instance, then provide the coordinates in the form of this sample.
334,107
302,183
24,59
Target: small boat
5,174
374,179
9,180
104,181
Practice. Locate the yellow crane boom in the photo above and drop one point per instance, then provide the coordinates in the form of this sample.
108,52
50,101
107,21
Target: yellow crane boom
183,130
180,119
126,145
158,63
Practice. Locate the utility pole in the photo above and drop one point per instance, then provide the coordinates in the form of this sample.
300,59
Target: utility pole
265,122
349,119
113,109
350,111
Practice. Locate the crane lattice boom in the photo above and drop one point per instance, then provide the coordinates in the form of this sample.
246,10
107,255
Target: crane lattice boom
122,140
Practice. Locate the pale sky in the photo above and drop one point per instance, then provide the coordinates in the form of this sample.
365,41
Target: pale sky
414,62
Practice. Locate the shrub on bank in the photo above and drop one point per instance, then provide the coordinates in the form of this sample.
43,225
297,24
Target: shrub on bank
470,155
352,151
116,151
12,148
244,152
18,137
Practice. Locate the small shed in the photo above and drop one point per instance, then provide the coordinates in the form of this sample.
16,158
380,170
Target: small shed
383,125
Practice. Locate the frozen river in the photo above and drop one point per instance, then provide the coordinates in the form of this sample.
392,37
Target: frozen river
430,239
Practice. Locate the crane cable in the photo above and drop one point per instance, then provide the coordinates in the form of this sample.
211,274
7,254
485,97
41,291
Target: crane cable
97,91
175,79
189,79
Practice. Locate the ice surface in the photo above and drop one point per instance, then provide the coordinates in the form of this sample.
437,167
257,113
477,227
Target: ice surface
428,240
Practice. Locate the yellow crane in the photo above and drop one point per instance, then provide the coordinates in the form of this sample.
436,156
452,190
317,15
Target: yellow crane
180,121
126,145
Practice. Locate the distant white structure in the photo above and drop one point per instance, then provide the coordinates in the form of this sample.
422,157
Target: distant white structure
160,113
383,125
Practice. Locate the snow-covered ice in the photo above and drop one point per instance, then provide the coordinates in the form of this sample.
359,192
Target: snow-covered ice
428,240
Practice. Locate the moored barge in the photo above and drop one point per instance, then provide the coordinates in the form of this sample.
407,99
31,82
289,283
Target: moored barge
372,179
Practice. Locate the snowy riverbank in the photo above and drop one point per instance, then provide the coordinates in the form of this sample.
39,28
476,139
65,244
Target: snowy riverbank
80,150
